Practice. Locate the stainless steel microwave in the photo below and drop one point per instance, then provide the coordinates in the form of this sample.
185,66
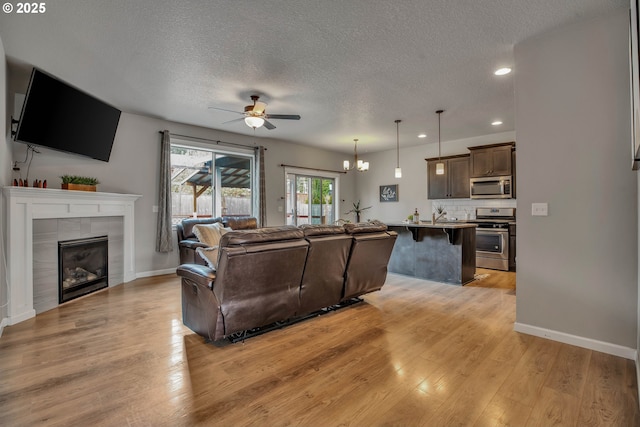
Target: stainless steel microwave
491,187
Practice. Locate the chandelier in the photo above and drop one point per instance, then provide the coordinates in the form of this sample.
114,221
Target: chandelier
360,165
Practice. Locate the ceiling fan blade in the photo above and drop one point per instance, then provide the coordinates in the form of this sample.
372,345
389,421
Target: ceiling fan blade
269,125
259,107
224,109
231,121
283,116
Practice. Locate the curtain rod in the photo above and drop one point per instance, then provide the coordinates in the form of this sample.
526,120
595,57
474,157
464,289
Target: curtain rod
217,141
310,169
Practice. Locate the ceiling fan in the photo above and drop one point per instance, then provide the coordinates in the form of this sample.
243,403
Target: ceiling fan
255,115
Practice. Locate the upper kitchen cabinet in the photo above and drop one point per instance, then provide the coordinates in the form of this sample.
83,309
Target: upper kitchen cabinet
491,160
454,184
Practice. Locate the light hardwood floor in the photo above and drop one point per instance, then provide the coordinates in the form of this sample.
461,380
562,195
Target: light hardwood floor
494,279
416,353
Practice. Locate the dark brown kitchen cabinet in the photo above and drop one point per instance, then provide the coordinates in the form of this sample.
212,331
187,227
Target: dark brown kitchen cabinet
454,184
491,160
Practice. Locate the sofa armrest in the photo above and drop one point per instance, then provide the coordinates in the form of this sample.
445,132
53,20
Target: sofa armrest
200,306
193,244
199,274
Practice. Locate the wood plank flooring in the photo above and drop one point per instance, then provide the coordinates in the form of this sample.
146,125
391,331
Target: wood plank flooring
417,353
494,279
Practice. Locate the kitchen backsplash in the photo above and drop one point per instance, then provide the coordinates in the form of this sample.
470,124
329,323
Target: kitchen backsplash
466,208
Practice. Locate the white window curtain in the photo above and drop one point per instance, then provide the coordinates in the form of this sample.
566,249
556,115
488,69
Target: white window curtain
164,241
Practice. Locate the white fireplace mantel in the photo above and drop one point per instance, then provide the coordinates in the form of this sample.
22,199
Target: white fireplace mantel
24,204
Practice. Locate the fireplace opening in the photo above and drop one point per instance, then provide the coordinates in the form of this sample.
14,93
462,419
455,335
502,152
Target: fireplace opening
82,267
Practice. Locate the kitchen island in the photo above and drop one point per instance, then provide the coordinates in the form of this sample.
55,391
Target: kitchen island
442,252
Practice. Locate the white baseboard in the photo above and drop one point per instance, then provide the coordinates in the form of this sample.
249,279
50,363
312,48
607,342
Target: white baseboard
4,322
591,344
155,273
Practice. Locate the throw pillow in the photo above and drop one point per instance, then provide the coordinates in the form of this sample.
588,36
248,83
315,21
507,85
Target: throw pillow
209,234
209,255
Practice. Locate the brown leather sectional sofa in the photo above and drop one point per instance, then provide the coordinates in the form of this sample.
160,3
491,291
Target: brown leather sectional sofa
276,274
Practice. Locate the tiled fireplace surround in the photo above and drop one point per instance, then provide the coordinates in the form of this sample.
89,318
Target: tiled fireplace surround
46,235
38,218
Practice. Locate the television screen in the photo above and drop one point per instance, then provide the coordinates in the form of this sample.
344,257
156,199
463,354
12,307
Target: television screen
58,116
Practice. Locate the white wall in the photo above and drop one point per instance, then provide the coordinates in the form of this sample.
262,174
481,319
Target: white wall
577,267
134,168
5,175
412,187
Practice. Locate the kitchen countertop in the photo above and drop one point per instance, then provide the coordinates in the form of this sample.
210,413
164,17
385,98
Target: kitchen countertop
427,224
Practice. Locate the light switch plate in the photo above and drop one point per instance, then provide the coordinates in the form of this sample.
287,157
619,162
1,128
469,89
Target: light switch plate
154,209
539,209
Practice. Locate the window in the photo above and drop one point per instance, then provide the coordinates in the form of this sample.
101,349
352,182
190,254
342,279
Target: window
310,199
211,183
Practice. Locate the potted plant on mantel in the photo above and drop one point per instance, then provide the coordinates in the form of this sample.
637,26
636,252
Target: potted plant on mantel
80,183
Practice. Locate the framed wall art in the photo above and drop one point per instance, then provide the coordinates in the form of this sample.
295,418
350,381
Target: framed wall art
389,193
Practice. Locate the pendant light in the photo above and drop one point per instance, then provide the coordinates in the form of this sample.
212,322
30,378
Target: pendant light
398,170
440,164
357,164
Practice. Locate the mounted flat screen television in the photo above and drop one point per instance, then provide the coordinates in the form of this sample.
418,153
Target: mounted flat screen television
58,116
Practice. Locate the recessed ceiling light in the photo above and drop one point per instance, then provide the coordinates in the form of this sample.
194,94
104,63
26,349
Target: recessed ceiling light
496,123
422,135
502,71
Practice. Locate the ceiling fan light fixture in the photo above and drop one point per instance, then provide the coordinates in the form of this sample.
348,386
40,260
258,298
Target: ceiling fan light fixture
253,121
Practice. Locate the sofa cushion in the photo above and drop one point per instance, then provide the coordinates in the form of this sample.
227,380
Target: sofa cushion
209,255
188,224
240,222
210,234
365,227
261,235
321,229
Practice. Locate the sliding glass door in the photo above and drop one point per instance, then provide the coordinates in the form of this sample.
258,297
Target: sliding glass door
310,199
210,183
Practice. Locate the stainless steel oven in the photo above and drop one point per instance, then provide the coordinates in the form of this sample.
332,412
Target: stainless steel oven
492,237
492,247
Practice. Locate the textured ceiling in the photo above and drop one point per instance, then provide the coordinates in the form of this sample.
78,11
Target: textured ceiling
349,68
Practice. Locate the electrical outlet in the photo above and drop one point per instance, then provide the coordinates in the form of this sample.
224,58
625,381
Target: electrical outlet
280,209
539,209
154,209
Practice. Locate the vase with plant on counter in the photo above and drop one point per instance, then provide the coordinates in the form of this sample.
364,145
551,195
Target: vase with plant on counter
438,213
79,183
357,210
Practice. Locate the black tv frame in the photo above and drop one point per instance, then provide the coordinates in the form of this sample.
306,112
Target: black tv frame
71,113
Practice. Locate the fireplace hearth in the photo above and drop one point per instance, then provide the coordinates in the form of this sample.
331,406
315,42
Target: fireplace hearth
82,267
